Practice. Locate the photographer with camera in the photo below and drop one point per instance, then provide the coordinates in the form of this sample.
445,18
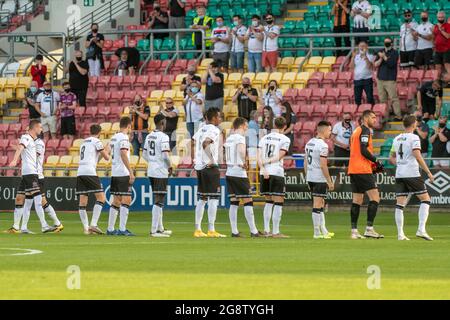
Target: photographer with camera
272,98
246,98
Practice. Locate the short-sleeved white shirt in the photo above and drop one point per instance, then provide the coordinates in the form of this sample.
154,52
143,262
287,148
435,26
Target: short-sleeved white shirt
119,142
358,20
403,147
270,45
208,131
234,159
314,150
221,33
155,145
40,154
270,146
342,133
46,102
407,41
424,29
362,70
236,45
193,110
28,155
254,44
89,154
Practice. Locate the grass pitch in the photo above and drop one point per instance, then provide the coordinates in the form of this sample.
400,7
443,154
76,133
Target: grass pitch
182,267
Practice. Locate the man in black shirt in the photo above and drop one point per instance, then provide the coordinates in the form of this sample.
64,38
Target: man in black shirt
177,15
422,131
171,114
158,19
214,94
439,139
191,77
30,100
426,98
246,98
94,51
79,78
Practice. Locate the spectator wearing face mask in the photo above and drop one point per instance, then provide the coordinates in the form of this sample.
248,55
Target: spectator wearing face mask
94,51
266,121
214,92
386,61
79,78
189,79
139,114
342,131
39,71
30,100
439,138
158,20
423,58
408,40
246,99
362,66
221,39
47,105
238,33
124,67
193,106
429,98
255,38
171,114
422,131
201,22
270,45
441,34
67,106
272,98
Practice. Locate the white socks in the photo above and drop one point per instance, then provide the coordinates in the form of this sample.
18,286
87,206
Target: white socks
233,217
156,215
52,214
124,210
212,213
316,221
423,215
267,215
199,211
399,218
26,213
249,215
160,222
96,213
40,211
84,218
113,211
18,212
322,223
276,219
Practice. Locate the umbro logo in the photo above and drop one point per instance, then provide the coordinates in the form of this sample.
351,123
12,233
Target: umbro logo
441,182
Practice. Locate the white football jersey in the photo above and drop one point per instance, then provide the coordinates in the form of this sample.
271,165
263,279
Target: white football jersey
314,150
28,155
89,154
271,145
235,160
119,142
403,147
156,143
40,154
208,131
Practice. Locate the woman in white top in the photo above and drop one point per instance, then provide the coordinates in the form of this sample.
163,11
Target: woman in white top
272,98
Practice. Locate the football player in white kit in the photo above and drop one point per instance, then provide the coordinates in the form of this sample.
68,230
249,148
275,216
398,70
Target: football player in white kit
122,180
318,177
238,184
207,140
91,151
406,154
26,150
156,152
272,149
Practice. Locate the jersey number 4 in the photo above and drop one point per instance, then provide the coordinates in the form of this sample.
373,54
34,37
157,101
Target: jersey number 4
400,151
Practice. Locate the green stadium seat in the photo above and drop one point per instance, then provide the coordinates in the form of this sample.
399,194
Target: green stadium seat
143,45
300,27
157,43
289,27
289,43
168,44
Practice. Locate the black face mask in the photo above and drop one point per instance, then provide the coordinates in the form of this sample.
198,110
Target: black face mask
419,119
191,73
67,90
441,21
407,20
442,125
138,103
48,90
269,21
424,19
79,58
271,88
94,30
246,85
347,121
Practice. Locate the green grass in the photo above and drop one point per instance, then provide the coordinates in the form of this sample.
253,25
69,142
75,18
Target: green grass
186,268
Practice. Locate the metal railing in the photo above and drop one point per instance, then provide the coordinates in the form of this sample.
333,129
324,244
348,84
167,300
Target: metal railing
6,16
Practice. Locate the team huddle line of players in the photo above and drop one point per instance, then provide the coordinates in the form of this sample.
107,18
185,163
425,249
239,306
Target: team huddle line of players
272,149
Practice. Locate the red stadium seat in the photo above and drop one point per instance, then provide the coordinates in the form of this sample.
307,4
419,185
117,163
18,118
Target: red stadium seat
309,127
430,75
185,163
296,109
52,145
329,79
332,95
179,66
141,83
14,131
4,127
318,95
91,98
93,82
128,82
128,97
164,64
289,163
103,82
402,76
4,143
344,79
298,128
118,44
306,111
154,81
79,111
114,114
116,83
102,113
166,83
153,66
350,108
334,110
290,95
3,161
315,80
116,97
345,96
103,97
319,112
107,45
415,78
380,109
362,108
90,114
403,93
64,146
304,96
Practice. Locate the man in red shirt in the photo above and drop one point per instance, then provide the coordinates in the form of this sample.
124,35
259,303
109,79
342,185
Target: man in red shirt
39,71
441,34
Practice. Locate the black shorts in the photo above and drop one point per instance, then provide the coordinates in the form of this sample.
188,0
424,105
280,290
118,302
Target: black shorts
423,57
361,183
29,184
88,184
68,126
406,186
222,59
42,186
120,186
442,57
209,182
159,185
318,189
81,96
428,106
341,153
238,187
407,58
274,186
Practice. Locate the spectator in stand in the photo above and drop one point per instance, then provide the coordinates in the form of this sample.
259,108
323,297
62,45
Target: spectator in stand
194,106
139,114
362,65
272,98
422,131
386,62
124,68
221,40
270,45
361,12
39,71
47,105
342,131
177,15
94,51
191,77
171,114
439,138
30,100
424,33
254,127
429,99
441,34
255,37
246,98
266,123
291,119
238,33
341,12
158,20
214,93
201,22
79,78
67,106
408,40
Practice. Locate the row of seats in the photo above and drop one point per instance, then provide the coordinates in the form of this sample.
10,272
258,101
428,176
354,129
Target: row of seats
14,88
